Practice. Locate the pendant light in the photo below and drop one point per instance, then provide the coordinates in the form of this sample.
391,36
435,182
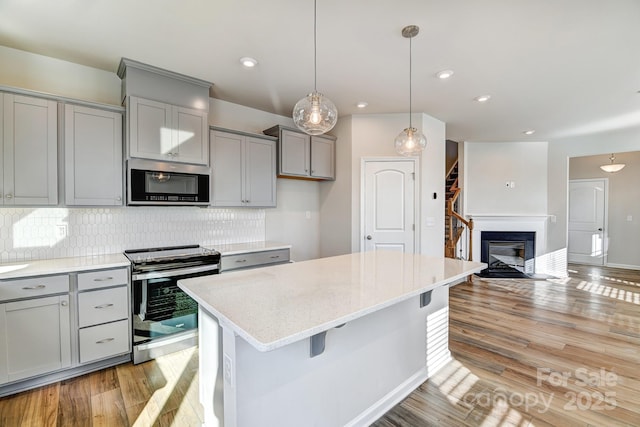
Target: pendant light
612,167
411,141
315,114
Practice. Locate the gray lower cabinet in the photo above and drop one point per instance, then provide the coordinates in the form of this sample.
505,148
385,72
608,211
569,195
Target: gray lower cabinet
243,168
35,327
254,259
93,156
60,326
103,314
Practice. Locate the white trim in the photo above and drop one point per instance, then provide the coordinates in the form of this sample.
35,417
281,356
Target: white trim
625,266
416,196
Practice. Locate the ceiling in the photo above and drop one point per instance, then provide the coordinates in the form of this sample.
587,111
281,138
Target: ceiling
563,68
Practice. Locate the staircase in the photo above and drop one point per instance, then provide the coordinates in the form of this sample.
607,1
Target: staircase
454,223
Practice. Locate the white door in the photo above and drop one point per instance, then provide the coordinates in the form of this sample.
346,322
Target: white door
587,207
388,205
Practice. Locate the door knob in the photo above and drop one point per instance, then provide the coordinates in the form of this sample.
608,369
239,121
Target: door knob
599,229
369,237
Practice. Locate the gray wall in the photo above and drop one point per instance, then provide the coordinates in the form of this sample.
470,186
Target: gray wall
624,202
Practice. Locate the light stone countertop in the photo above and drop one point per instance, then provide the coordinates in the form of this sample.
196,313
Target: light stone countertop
22,269
274,306
243,248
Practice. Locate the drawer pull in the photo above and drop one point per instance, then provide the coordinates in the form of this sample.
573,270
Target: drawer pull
102,279
33,288
104,341
241,260
275,256
103,306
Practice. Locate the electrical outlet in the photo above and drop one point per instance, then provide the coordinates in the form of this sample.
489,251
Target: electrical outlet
227,369
61,230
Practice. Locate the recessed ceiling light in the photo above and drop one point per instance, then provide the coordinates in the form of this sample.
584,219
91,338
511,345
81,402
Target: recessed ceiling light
362,104
444,74
248,62
529,132
482,98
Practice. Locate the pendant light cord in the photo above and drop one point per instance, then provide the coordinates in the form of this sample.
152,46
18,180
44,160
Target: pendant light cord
315,46
410,123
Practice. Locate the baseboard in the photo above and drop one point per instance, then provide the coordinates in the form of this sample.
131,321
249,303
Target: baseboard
390,400
625,266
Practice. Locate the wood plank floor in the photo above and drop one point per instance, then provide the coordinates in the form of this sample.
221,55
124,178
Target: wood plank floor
537,353
526,353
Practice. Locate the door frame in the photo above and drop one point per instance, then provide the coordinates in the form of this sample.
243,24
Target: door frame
605,221
416,196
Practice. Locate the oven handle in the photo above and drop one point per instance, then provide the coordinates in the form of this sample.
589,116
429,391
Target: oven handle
178,272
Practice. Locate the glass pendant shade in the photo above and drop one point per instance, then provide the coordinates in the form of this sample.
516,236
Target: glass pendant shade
410,142
612,167
315,114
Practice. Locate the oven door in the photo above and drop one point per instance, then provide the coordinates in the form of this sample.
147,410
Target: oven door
165,318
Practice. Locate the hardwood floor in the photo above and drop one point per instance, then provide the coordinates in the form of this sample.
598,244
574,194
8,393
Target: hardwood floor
526,353
537,353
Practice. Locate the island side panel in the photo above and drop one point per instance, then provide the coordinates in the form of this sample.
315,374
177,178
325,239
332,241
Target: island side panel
210,366
368,365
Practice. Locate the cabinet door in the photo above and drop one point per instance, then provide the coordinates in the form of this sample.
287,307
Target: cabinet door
294,153
35,336
30,154
150,129
226,169
260,172
93,157
190,136
322,157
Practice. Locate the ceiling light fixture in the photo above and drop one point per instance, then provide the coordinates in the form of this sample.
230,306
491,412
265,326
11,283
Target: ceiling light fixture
315,114
411,141
248,62
529,132
612,167
444,74
362,104
482,98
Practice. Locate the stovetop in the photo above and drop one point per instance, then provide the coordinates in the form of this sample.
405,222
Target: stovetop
171,254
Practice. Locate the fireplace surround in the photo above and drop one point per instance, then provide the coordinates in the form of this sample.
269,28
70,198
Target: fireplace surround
508,253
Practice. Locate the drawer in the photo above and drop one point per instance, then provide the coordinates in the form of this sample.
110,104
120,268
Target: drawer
33,287
252,259
103,341
103,279
103,306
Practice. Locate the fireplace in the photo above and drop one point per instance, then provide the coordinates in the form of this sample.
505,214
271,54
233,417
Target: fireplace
508,253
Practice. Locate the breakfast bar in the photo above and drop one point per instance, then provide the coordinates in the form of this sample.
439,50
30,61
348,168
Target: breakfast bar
329,342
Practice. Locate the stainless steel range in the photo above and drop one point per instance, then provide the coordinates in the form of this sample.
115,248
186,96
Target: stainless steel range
165,319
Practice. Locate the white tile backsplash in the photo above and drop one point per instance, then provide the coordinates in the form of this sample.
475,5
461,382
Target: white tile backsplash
42,233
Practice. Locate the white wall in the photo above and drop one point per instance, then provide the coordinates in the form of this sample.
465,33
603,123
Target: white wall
489,166
372,135
624,204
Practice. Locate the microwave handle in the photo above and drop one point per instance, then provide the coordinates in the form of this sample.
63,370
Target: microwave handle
178,272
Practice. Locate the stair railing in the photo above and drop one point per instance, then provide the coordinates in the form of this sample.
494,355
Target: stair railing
455,233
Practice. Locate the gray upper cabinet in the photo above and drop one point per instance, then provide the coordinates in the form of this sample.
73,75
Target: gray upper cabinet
243,169
301,156
161,131
29,151
93,157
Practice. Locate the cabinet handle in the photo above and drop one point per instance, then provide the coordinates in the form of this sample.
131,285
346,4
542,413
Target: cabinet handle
9,196
103,306
32,288
103,279
241,260
275,256
64,303
119,198
106,340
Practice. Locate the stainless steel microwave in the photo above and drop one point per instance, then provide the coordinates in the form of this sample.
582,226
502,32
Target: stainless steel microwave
167,184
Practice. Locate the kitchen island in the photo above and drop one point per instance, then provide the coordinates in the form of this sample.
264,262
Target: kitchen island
328,342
